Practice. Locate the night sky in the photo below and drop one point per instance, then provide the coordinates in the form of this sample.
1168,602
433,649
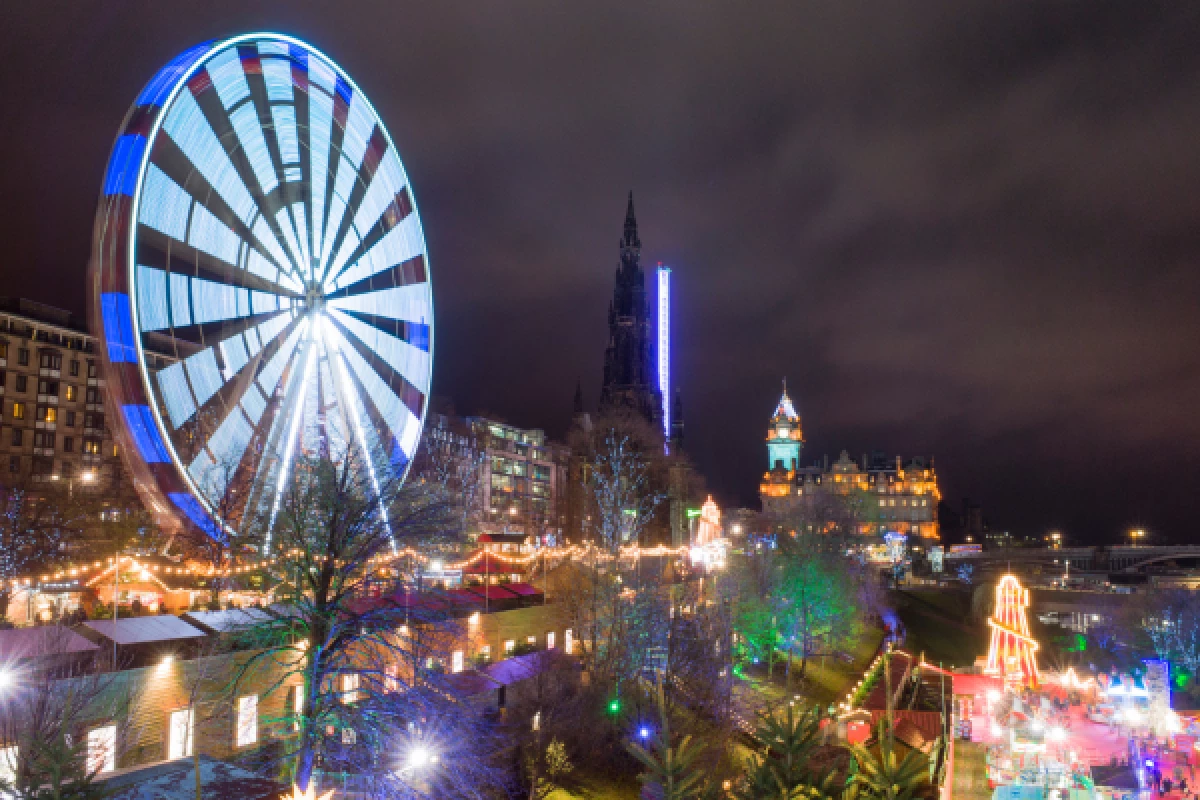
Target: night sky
965,230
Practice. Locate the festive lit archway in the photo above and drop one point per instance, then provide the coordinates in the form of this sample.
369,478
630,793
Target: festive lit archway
1013,652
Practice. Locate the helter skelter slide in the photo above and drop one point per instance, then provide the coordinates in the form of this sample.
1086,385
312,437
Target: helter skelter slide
1012,653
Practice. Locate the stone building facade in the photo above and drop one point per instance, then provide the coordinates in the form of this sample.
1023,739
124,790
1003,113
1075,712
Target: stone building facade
53,427
874,496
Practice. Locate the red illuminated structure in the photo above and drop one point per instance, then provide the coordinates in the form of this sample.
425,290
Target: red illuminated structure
1013,652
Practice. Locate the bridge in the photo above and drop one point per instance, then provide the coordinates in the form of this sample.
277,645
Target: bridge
1115,558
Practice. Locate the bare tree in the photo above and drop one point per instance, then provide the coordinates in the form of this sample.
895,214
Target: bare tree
457,467
36,524
366,653
59,726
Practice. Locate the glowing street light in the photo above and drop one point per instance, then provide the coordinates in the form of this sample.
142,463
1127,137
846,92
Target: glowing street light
1136,534
419,756
7,679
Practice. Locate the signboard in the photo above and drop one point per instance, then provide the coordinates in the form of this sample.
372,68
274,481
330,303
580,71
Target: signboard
966,550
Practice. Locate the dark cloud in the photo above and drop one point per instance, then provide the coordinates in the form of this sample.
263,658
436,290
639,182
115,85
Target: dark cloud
965,230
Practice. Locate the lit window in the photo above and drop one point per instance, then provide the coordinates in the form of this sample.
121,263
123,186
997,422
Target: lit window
70,394
391,681
18,411
549,640
569,641
297,705
102,749
349,736
456,661
349,688
509,646
247,720
486,651
8,757
180,727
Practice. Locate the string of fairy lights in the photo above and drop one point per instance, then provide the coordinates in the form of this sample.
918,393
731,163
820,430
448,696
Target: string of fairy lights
90,574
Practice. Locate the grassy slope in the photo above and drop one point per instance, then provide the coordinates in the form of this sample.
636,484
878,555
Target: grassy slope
938,625
824,682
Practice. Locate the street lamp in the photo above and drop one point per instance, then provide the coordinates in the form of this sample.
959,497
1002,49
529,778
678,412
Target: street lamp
1136,534
1055,539
420,756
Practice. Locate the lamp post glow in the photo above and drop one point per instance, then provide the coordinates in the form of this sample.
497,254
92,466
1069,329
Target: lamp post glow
1136,534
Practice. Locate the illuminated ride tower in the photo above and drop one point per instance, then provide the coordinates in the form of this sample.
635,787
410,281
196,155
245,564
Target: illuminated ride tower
1012,653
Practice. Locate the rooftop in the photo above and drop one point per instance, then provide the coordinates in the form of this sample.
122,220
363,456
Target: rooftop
143,630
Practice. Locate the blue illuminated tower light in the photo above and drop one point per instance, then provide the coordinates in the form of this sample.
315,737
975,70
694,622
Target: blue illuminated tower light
664,344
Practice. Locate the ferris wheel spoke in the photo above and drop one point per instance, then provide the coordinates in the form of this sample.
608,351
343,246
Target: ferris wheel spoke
389,389
196,388
164,302
200,307
191,131
396,278
216,242
390,236
395,258
234,119
319,133
409,363
385,422
363,145
364,204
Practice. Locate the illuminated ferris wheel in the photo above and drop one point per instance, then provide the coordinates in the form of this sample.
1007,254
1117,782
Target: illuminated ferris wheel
259,282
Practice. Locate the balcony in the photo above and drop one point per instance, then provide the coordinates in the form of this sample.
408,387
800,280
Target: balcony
50,372
42,425
43,451
95,381
97,432
48,399
95,406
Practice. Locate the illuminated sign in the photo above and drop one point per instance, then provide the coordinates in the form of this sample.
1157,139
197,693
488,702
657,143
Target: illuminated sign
664,344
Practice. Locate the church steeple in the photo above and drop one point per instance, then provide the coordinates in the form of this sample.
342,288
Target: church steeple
785,436
630,239
629,376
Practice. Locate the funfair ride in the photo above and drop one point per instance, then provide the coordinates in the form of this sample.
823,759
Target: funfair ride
259,282
1012,653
